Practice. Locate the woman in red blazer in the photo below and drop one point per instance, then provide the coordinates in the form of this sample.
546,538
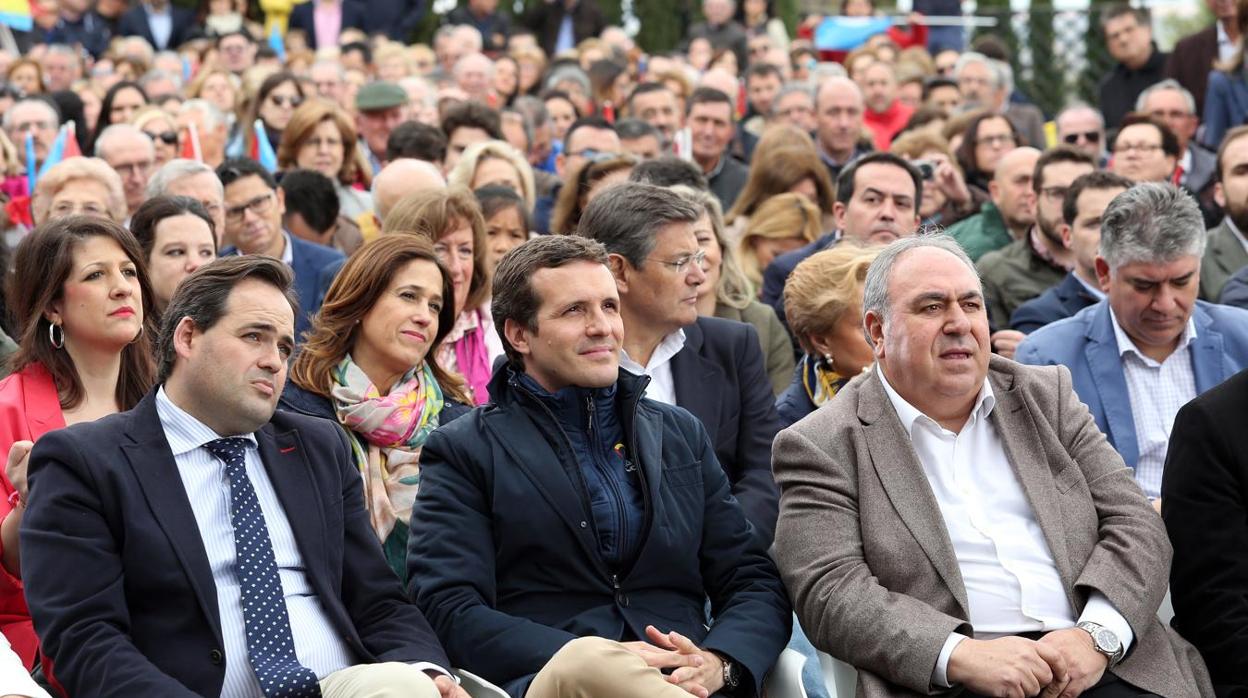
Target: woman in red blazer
81,295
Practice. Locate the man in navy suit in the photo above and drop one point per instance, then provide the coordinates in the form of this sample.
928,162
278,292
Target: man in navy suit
714,368
165,26
202,544
254,206
1080,229
305,17
1150,347
567,536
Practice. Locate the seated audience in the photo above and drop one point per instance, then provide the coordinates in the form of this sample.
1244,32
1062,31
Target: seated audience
467,123
177,237
195,180
1204,505
1150,346
1226,96
131,154
400,178
987,138
1082,127
727,294
1226,253
506,222
1171,104
780,224
79,186
494,163
368,364
521,588
159,125
451,220
785,160
712,125
84,351
582,185
1010,211
412,139
1082,208
312,212
823,304
711,367
254,208
1026,560
1145,150
321,137
946,200
202,491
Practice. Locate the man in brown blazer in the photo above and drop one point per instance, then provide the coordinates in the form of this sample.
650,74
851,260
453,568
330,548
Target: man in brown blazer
953,519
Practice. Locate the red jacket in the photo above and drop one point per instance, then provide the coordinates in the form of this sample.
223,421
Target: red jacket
29,408
886,124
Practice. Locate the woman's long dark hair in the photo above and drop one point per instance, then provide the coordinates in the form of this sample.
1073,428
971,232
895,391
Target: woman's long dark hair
106,107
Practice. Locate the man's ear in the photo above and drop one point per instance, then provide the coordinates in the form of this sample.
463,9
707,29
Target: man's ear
1102,273
1068,234
838,215
621,270
1219,195
874,325
184,337
517,336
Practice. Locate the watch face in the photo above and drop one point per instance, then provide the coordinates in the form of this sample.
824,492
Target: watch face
1107,640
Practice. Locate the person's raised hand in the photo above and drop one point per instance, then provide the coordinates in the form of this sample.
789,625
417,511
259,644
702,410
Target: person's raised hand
1009,667
1084,665
15,468
1005,342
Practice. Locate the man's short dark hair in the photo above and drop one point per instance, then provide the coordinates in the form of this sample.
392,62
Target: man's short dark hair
628,217
845,181
936,83
237,32
1169,141
203,295
1230,137
235,169
646,88
709,95
472,114
594,122
412,139
358,46
1052,156
668,171
763,70
514,297
1141,14
1095,181
632,129
312,195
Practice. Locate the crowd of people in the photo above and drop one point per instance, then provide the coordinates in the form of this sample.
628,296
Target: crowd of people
343,365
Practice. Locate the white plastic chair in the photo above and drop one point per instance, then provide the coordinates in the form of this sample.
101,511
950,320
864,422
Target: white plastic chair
840,678
785,679
478,687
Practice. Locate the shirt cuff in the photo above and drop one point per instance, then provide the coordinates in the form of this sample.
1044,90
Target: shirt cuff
940,675
430,666
1101,611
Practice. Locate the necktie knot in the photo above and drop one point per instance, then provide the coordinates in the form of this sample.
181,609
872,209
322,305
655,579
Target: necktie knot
231,450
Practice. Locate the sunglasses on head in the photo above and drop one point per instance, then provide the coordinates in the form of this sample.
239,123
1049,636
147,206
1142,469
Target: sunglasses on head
1091,137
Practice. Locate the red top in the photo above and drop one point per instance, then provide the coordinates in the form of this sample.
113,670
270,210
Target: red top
29,408
916,35
887,123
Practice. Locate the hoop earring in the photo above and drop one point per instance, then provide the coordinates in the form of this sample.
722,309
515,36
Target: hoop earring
52,328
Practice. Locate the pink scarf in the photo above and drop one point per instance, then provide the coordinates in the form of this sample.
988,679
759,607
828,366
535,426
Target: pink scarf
471,355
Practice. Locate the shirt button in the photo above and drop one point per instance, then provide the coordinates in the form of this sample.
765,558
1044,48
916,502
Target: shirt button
584,524
215,656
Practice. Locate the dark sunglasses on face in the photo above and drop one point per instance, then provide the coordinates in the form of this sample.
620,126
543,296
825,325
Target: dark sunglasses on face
1091,137
166,137
280,101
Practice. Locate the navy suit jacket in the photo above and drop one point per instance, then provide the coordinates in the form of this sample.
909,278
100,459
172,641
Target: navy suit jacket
721,378
1087,346
315,267
303,18
1057,303
502,559
134,23
118,580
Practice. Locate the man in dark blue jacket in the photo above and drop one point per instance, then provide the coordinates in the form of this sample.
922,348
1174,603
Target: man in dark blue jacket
567,535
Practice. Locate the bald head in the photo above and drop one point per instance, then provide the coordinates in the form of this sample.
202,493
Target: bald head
838,115
1011,189
399,179
1017,160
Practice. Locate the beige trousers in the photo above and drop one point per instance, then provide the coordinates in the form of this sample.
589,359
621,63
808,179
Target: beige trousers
386,680
593,667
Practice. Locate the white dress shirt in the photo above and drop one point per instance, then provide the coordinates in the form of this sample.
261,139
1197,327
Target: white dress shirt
160,23
1157,392
1012,584
662,387
1226,47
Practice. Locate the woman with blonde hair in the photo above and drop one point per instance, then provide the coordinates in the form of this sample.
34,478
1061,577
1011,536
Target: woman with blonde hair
780,224
726,292
321,137
785,160
494,163
451,219
162,129
823,304
79,186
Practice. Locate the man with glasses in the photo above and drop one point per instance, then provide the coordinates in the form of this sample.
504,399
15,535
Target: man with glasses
709,366
1145,150
131,153
1081,127
237,50
329,80
794,105
587,139
254,207
1171,104
1129,38
35,116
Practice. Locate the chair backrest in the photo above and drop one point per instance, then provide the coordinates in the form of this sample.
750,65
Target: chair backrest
478,687
841,678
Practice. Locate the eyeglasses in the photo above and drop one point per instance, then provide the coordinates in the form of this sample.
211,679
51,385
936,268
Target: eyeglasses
1000,139
680,265
1092,137
166,137
1143,148
1055,193
280,101
259,206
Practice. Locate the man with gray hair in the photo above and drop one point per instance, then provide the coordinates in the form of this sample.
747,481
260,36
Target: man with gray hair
198,181
36,116
712,367
1150,346
954,519
130,152
1171,104
987,83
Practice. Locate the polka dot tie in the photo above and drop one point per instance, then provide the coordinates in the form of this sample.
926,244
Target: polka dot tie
270,645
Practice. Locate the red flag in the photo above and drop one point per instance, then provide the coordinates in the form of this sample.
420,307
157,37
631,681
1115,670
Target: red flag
190,145
71,141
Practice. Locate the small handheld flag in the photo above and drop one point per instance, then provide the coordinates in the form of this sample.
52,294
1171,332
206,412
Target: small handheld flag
264,150
31,173
848,33
276,43
16,14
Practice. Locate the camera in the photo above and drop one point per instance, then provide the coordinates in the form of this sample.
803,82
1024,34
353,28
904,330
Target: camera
926,168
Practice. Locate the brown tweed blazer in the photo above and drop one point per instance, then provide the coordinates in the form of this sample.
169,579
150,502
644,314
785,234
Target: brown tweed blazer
870,567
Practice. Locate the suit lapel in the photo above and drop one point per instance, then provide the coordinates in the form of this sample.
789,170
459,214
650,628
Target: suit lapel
286,463
695,380
901,474
157,474
1228,253
1105,365
1206,353
1016,427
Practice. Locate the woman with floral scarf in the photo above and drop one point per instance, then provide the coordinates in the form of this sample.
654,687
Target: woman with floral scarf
369,364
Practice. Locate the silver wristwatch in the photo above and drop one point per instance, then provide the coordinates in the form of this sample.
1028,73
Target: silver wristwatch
1105,641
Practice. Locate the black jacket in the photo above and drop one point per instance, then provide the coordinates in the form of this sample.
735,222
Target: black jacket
135,23
1121,86
503,558
1057,303
546,16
